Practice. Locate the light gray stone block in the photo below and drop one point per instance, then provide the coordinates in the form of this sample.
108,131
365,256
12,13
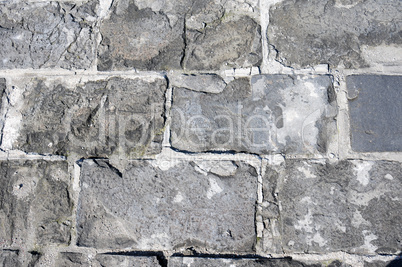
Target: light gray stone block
47,34
120,260
35,203
277,113
348,206
146,208
308,33
375,112
115,116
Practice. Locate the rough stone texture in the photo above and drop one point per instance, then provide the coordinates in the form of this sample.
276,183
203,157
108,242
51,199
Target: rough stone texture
119,260
35,203
208,83
234,43
163,35
2,89
395,263
375,112
94,118
43,35
184,206
278,113
216,262
72,259
350,205
307,33
9,258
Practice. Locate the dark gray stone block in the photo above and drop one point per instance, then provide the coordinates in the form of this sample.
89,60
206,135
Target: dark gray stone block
277,113
208,83
34,201
72,259
348,206
375,112
165,35
146,208
45,35
307,33
239,262
95,118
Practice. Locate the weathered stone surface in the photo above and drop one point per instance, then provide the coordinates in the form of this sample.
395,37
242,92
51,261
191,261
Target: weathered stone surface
147,208
43,35
233,43
208,83
217,262
375,112
307,33
278,113
35,202
120,260
348,206
72,259
9,258
93,118
395,263
162,35
2,89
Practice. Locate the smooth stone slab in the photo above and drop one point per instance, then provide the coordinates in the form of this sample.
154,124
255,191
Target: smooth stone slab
308,33
375,112
114,116
351,206
146,208
277,113
47,34
35,203
239,262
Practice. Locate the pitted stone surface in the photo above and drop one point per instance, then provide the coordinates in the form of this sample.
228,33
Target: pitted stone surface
94,118
307,33
9,258
43,35
277,113
179,207
350,206
35,203
164,35
375,112
217,262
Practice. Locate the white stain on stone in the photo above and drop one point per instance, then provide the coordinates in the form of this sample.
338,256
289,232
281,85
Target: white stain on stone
188,261
305,224
306,172
389,176
362,170
358,220
221,168
318,239
214,189
367,247
178,198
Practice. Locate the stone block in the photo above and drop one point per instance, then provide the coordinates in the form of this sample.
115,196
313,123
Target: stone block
276,113
35,203
72,259
376,263
147,208
9,258
114,116
308,33
349,205
164,35
245,262
208,83
47,34
125,260
375,112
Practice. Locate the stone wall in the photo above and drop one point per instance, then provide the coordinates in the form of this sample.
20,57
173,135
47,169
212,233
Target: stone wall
201,133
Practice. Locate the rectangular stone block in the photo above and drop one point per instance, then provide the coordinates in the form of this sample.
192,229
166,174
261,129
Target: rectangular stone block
350,205
35,203
245,262
47,34
111,116
170,34
148,208
308,33
276,113
375,112
75,259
